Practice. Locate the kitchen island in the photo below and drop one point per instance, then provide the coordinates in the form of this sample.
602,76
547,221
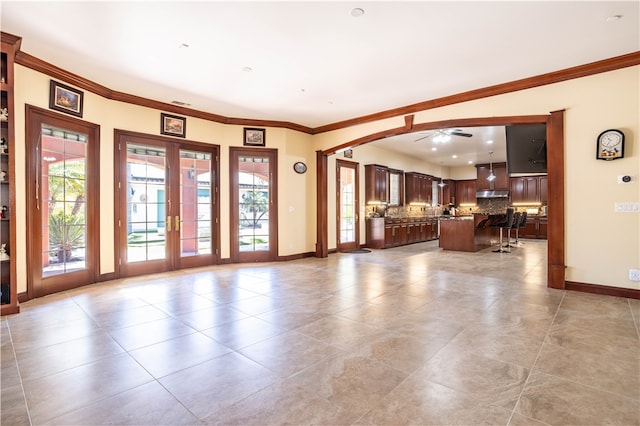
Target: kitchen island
467,233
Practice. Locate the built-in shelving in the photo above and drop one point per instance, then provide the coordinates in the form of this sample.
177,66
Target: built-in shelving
9,297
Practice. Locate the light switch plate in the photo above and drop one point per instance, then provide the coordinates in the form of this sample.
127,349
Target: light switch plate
627,207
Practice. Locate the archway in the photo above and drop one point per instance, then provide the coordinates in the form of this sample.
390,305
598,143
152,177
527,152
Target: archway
555,171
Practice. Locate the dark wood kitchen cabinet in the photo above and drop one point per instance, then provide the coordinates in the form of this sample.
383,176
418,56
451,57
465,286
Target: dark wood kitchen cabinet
394,232
528,189
501,182
447,192
466,191
535,228
376,183
418,188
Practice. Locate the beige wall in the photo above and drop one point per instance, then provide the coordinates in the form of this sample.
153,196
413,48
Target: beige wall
296,193
601,245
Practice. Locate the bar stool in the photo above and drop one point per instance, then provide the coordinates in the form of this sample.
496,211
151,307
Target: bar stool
522,224
514,225
506,224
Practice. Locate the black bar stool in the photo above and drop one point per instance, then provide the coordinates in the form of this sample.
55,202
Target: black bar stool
506,224
522,224
514,225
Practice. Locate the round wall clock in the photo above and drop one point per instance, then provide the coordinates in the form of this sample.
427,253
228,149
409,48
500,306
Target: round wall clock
300,167
610,145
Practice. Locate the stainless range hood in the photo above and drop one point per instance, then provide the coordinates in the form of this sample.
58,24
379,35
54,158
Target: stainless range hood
498,193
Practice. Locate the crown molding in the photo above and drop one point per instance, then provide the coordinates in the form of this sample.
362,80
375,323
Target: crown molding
606,65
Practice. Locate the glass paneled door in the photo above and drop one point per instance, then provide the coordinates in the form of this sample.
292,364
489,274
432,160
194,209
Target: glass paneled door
63,184
253,205
347,205
167,210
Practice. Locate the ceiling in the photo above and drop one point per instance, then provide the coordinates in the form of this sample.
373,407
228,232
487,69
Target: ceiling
315,63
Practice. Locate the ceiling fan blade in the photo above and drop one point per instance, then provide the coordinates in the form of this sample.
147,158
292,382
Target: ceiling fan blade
463,134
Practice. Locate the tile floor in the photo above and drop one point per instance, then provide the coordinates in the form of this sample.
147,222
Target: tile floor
411,335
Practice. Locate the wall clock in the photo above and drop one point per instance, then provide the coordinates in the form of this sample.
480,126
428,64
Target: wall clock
610,145
300,167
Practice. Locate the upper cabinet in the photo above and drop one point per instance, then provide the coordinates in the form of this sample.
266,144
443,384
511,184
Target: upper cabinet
376,183
418,188
447,192
501,182
528,189
466,191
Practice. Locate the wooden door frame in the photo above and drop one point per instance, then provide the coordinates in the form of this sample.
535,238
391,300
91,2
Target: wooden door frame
355,166
34,118
234,220
555,172
119,246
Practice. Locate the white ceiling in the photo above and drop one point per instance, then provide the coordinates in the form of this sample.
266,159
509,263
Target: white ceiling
313,63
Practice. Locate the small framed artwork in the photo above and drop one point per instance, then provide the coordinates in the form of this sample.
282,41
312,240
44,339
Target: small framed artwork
65,99
348,153
173,125
254,137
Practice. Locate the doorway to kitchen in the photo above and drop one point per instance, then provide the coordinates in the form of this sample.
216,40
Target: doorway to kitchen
167,211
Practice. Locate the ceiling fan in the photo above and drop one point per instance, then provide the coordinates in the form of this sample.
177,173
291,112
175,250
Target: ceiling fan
445,135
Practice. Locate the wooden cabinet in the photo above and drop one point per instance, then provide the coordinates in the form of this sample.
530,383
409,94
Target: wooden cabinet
376,183
447,193
536,228
542,187
528,189
9,298
394,232
501,182
466,192
418,188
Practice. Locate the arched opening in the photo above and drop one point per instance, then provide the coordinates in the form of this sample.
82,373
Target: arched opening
555,170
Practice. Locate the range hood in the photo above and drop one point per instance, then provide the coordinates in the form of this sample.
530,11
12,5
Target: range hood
498,193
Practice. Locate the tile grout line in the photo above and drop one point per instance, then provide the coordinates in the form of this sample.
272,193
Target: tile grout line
15,358
533,366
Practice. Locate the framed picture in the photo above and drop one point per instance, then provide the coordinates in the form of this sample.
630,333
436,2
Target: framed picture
65,99
254,137
173,125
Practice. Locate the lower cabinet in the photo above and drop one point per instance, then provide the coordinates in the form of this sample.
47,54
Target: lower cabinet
536,227
385,233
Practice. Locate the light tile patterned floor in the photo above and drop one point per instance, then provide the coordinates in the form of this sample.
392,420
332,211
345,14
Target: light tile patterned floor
411,335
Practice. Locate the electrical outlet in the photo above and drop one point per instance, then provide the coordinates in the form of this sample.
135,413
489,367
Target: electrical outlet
634,274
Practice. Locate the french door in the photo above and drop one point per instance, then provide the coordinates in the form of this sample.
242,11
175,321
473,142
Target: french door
254,219
348,225
167,210
63,177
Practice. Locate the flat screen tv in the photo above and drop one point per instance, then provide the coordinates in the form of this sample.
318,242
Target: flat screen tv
527,148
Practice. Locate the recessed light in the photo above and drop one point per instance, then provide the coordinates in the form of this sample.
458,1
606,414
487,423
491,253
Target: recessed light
454,156
613,18
247,69
434,149
489,142
183,46
357,12
470,162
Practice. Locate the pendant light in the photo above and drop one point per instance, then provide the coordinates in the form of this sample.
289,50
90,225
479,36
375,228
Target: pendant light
491,176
